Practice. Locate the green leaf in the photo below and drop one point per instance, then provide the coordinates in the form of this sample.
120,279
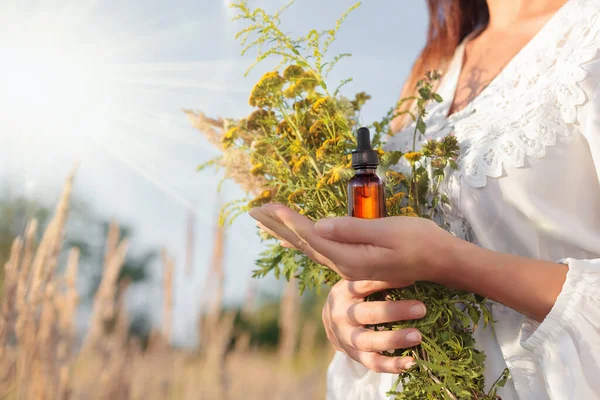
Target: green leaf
391,158
437,97
438,172
421,127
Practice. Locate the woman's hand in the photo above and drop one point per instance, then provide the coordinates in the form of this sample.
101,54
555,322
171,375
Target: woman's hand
345,314
394,249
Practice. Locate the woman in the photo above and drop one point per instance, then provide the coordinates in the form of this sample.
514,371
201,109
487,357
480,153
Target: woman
521,92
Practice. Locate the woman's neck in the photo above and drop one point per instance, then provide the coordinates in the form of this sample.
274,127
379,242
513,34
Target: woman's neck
504,13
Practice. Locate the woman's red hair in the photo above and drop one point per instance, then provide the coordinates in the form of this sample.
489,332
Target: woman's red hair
450,21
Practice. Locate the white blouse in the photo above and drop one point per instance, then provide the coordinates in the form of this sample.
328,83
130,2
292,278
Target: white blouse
527,184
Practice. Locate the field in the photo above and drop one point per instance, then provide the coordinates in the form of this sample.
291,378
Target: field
43,357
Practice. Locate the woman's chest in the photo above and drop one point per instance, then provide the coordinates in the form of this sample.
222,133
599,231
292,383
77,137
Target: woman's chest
522,164
487,54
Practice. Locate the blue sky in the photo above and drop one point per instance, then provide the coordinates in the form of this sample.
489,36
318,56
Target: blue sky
121,117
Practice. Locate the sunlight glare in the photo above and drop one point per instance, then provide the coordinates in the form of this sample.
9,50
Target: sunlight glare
47,80
74,80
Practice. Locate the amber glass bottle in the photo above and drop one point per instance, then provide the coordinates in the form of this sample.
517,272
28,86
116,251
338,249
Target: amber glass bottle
366,197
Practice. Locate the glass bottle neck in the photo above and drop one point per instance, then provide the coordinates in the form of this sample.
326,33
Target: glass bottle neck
365,170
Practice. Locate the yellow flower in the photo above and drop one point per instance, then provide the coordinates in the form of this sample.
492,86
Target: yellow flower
397,176
395,199
301,104
297,165
229,137
329,143
321,104
335,175
270,80
326,146
263,198
322,182
359,100
408,212
295,147
293,90
309,81
258,169
231,133
413,156
321,153
260,119
259,147
318,128
293,72
293,198
283,128
266,90
380,152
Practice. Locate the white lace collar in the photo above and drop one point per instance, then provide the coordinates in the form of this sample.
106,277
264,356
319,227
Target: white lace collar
529,103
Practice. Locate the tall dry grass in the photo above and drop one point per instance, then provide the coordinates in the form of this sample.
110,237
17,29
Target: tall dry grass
41,356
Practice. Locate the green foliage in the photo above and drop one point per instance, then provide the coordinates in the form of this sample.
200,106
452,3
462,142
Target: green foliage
447,362
263,323
298,141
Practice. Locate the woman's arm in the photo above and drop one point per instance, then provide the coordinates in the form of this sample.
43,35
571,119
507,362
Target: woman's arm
406,249
526,285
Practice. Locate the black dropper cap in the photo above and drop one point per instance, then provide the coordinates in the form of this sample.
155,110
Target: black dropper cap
364,156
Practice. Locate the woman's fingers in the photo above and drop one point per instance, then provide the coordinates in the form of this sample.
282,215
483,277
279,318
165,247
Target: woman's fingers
362,289
282,241
376,341
279,229
380,232
378,312
269,231
355,260
287,245
276,228
380,363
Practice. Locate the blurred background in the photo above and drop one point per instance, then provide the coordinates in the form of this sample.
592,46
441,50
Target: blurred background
162,300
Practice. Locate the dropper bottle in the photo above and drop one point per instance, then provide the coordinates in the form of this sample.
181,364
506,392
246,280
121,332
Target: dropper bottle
366,196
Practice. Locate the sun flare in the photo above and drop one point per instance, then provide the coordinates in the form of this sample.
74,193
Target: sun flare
72,74
45,78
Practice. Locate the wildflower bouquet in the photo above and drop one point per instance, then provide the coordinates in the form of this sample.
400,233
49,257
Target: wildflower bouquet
294,148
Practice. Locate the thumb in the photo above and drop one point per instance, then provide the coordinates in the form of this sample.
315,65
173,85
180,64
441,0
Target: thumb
378,232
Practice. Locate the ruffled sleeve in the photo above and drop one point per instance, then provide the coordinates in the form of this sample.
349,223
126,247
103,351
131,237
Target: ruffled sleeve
566,345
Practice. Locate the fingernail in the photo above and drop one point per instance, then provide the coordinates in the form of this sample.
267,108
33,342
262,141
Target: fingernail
418,310
413,337
324,226
405,365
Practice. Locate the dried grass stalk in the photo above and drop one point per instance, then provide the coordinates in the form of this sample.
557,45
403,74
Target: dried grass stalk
288,321
168,267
